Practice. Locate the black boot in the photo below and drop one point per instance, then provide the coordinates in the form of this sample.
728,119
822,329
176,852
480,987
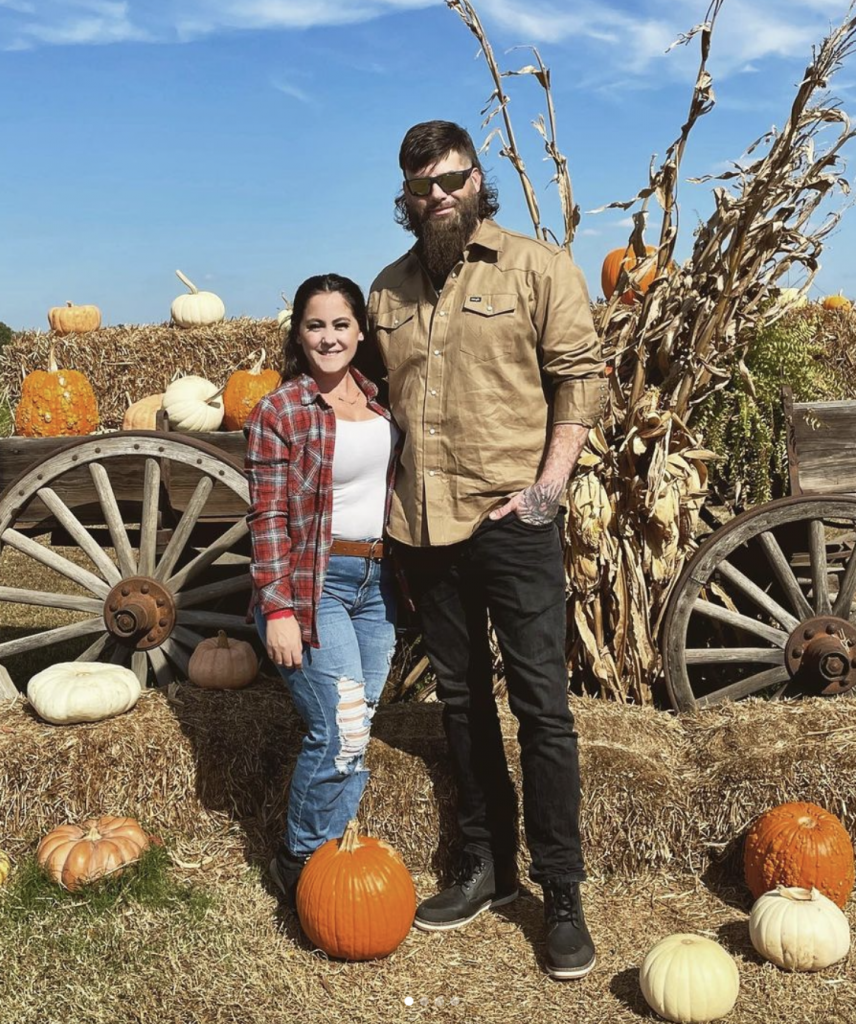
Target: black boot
285,873
478,885
570,949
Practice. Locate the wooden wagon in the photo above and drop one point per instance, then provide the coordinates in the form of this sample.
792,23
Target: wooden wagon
143,536
766,605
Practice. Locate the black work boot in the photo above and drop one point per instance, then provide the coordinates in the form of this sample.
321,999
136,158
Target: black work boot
285,873
570,949
478,885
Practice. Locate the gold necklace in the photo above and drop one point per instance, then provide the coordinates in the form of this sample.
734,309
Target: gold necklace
349,401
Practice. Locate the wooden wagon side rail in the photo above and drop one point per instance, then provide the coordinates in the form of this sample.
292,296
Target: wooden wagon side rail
821,446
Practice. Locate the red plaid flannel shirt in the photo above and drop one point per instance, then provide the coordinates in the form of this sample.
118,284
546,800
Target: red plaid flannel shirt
291,434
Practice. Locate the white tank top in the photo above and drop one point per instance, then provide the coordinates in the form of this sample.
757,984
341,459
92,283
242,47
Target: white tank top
360,467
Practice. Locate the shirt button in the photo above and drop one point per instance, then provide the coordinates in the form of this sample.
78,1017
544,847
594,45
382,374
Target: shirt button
432,431
433,392
436,351
394,322
442,312
431,472
490,309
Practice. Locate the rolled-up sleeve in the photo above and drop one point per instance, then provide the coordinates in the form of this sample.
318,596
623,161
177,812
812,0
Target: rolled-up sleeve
266,465
570,348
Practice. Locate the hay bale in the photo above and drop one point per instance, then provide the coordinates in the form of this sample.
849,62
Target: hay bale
128,362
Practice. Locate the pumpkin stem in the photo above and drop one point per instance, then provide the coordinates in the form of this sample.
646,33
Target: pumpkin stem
52,364
351,839
798,894
256,368
93,835
285,300
69,303
193,289
222,639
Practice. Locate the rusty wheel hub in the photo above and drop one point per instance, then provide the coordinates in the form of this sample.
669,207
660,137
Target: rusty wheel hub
824,649
139,612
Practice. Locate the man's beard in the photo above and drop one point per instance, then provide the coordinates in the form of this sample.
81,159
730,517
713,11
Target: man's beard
442,239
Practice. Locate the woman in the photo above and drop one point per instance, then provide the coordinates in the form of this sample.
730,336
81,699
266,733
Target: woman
320,460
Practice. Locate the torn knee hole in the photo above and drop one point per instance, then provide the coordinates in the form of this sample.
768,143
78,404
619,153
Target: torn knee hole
352,721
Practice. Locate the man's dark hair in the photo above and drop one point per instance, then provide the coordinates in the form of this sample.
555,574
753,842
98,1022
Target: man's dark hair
430,141
293,357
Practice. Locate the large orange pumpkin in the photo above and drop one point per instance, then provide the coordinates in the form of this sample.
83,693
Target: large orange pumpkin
243,390
71,319
355,897
799,844
76,854
611,270
56,403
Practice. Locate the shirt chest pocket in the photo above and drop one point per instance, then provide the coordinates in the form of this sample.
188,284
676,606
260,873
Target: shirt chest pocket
396,334
489,326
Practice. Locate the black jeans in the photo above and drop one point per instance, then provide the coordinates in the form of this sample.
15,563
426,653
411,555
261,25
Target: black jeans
514,572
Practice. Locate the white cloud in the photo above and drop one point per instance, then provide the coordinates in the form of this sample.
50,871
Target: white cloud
591,233
291,90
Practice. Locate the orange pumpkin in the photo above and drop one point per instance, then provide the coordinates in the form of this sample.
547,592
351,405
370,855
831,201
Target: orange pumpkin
142,415
74,855
355,897
243,390
799,844
71,319
56,403
839,301
612,267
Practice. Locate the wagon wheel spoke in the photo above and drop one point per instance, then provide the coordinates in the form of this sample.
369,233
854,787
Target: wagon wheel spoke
188,637
177,655
739,621
730,655
209,555
113,519
760,597
211,591
85,541
54,561
746,687
182,532
160,666
847,589
785,574
216,620
819,568
93,650
149,517
42,598
51,636
120,655
140,667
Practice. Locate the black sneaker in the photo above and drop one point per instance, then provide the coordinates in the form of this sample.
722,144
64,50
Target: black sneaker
570,949
285,873
477,887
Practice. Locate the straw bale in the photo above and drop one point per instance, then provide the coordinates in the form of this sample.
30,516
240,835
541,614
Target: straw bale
128,362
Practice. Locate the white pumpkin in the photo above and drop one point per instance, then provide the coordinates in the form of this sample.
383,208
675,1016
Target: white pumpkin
283,317
793,298
799,929
198,308
689,978
193,403
82,691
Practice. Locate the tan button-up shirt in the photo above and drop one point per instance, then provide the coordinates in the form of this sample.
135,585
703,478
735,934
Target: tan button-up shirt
478,373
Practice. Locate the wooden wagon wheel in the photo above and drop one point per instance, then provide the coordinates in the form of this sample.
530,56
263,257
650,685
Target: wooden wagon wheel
774,588
140,608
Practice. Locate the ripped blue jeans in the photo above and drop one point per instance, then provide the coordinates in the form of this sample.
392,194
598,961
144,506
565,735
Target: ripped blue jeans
336,692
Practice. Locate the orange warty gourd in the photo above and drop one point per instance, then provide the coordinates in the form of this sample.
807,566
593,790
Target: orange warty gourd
355,897
243,390
802,845
76,854
142,415
56,403
611,269
71,319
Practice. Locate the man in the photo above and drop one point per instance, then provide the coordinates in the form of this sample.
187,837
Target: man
495,376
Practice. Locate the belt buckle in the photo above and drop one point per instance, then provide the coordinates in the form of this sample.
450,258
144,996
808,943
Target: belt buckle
372,555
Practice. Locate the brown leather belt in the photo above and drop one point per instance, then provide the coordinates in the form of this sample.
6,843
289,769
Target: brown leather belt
358,548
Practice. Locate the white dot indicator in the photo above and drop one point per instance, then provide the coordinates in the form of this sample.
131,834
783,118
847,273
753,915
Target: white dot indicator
408,1000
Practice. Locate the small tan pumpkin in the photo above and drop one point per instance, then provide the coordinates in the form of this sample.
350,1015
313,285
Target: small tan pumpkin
220,663
56,403
142,415
198,308
243,390
5,867
799,929
74,855
355,897
71,319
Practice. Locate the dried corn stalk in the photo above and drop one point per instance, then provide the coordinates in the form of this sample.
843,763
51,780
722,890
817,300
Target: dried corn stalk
636,498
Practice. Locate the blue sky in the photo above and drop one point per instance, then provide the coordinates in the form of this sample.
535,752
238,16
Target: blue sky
252,143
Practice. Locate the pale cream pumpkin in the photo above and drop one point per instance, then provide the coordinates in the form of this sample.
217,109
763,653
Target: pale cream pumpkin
283,317
799,929
193,403
5,867
142,415
81,691
793,298
689,978
71,319
198,308
221,663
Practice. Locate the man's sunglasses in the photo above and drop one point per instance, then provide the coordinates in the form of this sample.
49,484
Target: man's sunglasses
449,182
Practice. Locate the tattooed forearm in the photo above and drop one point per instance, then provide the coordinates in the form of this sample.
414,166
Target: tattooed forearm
540,503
